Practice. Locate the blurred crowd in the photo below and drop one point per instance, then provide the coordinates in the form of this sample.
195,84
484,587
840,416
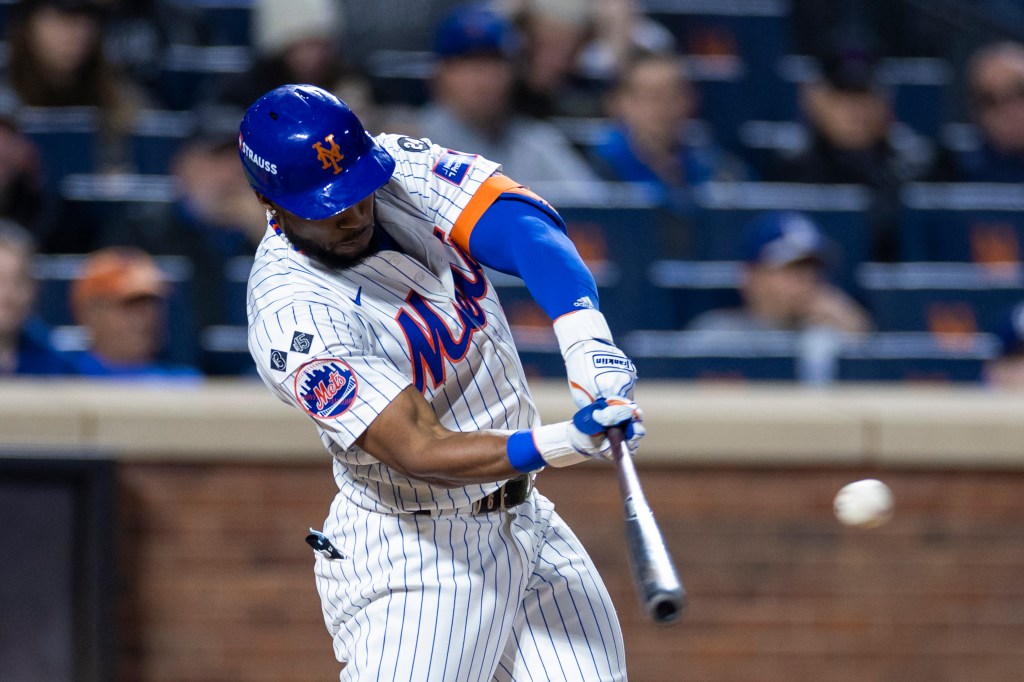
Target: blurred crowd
127,224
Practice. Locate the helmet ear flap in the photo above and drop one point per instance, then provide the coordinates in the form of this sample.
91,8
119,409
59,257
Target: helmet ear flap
306,151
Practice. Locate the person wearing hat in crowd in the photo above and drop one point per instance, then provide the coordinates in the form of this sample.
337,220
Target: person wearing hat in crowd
295,41
852,139
783,285
472,104
24,339
120,299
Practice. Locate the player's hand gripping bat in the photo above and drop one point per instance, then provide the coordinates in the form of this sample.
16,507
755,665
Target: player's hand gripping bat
661,593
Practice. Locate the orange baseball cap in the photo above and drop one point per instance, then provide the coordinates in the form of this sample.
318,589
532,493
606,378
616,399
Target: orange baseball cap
118,273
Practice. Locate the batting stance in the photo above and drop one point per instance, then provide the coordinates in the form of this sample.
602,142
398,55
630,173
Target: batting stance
370,311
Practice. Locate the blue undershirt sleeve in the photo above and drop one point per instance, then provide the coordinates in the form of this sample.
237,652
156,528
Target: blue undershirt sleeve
520,236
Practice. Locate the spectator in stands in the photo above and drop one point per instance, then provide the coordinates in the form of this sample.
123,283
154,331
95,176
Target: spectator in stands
120,298
573,48
784,285
296,42
22,197
56,59
651,141
996,81
24,340
853,139
472,105
1006,369
215,218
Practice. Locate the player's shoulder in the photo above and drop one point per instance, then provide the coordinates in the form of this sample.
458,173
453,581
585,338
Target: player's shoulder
406,147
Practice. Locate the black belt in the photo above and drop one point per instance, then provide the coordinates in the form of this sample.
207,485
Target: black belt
513,493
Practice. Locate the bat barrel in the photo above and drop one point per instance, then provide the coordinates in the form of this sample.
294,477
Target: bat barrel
661,592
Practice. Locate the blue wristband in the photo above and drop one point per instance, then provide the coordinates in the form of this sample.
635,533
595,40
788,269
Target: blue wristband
523,453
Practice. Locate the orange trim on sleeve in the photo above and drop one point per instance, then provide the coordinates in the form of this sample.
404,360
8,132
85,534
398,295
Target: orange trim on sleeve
486,194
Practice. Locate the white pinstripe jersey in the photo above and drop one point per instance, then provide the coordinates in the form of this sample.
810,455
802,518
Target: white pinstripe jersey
341,344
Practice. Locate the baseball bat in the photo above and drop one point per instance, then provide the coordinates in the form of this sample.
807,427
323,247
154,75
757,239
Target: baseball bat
661,593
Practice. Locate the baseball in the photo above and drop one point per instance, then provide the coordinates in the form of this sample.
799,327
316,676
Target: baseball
863,504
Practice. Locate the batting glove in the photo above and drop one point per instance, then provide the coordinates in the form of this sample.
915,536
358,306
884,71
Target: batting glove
596,368
575,441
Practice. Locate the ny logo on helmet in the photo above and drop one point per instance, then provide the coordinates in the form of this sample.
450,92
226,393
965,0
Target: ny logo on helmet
330,156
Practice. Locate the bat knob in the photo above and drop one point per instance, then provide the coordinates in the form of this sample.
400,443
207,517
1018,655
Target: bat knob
667,608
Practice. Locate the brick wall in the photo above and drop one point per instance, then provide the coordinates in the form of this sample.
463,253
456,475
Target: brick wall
216,581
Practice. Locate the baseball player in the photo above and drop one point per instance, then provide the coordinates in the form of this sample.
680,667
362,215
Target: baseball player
370,311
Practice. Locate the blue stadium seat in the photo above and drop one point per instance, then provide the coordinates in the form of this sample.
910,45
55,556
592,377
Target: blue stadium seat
225,22
943,298
921,92
191,73
157,136
236,279
723,211
713,356
920,89
401,76
689,288
782,356
56,272
916,358
983,223
5,14
723,97
67,138
224,351
756,31
121,204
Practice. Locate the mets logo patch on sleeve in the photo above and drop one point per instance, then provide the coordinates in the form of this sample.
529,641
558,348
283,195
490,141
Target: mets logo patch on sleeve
326,388
453,166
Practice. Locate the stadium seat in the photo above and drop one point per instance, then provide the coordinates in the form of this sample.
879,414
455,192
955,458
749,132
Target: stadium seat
400,76
225,22
56,272
974,222
125,207
807,357
157,136
756,31
916,358
224,351
723,211
66,138
191,72
920,89
727,356
689,288
942,298
236,279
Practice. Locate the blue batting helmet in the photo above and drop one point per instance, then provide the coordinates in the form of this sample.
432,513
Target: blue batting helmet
304,149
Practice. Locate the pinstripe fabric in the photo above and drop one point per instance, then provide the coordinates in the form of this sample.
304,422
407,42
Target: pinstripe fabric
451,596
456,598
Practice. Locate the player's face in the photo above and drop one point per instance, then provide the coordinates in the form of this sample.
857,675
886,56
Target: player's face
339,241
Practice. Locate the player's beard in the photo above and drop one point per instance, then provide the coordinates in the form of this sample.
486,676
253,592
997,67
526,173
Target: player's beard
326,257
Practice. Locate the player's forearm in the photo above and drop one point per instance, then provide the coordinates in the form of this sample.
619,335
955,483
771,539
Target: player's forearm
407,437
456,459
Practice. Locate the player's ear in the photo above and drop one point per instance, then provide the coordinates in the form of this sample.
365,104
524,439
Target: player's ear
266,203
